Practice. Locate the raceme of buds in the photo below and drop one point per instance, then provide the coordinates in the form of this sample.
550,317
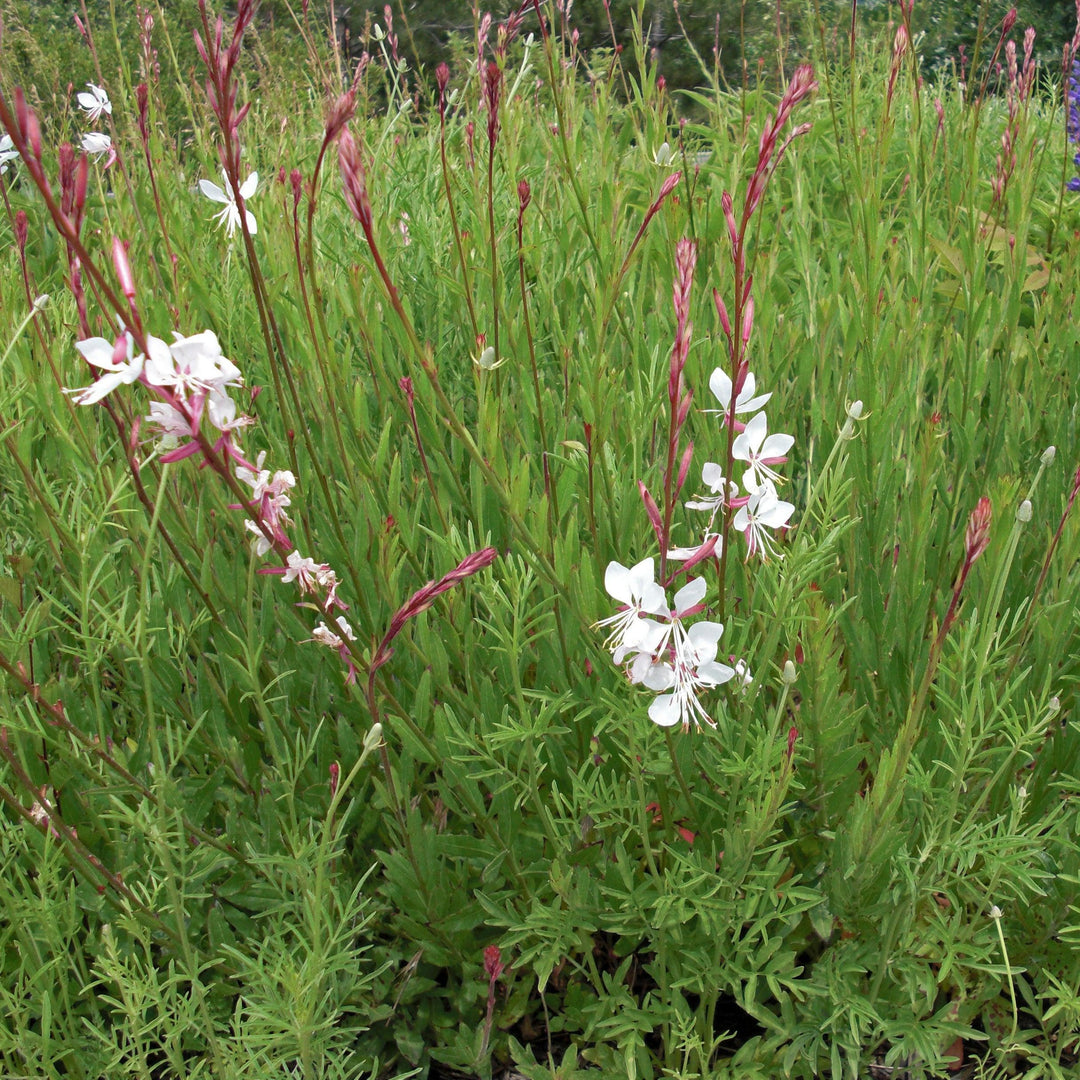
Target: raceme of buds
355,179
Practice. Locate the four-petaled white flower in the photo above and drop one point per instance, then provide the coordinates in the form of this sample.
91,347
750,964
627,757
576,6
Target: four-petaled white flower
304,571
95,102
762,511
712,477
637,589
229,215
745,402
96,143
760,452
325,636
174,425
193,365
686,665
115,359
7,152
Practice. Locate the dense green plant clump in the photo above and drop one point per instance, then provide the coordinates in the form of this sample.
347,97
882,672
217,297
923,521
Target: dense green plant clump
342,421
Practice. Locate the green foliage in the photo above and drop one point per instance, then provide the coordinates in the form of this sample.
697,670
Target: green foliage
214,864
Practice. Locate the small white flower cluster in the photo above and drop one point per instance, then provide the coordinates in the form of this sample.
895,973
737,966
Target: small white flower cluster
191,370
95,103
655,644
191,378
759,508
664,653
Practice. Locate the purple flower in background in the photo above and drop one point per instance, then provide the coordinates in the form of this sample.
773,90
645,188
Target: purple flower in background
1072,118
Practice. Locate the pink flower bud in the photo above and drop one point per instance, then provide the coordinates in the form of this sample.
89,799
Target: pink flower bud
977,534
123,268
352,173
651,508
493,965
748,320
668,186
721,310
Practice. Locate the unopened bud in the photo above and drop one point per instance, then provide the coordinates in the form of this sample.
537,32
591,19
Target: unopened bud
748,320
1023,512
996,912
486,360
40,301
123,268
373,739
854,410
789,676
1048,455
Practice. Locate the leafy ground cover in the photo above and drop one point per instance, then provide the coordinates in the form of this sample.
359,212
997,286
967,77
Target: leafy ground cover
498,573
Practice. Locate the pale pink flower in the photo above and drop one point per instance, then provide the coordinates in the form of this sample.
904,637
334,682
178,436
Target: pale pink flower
173,424
303,571
260,543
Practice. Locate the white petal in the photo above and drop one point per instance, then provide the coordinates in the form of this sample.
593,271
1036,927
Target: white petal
691,594
712,476
720,385
212,191
776,445
665,711
617,581
754,433
160,369
703,637
97,351
247,188
714,674
776,515
252,228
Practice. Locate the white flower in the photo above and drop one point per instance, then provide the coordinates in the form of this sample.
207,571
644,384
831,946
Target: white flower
260,543
664,155
115,360
637,589
229,216
173,424
763,511
325,636
304,571
222,412
95,103
720,385
96,143
692,667
760,452
713,478
193,365
7,152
